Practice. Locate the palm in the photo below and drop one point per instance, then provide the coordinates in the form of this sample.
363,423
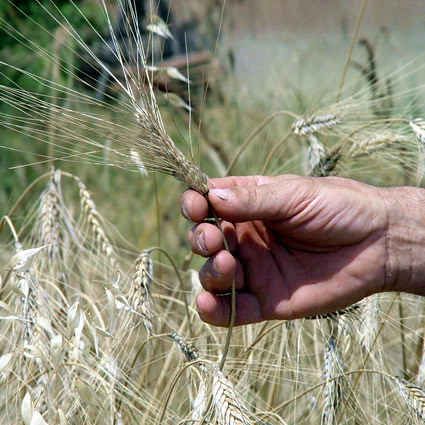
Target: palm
290,280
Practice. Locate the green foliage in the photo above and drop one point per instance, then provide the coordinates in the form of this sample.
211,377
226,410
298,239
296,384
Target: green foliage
27,24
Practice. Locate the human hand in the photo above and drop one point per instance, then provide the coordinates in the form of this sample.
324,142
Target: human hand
299,246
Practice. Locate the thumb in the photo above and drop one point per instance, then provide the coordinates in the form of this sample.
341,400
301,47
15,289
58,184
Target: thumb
266,202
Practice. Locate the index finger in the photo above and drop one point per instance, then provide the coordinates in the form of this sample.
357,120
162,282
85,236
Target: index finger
194,206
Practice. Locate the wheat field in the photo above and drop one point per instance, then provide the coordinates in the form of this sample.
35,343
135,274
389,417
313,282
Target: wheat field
102,128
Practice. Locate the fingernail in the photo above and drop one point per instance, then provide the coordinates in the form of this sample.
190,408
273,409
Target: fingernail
200,240
209,271
223,194
185,211
215,270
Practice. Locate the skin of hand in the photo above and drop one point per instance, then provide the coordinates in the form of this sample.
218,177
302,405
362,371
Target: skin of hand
303,246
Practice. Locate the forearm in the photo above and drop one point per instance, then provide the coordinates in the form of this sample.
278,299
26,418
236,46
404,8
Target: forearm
405,240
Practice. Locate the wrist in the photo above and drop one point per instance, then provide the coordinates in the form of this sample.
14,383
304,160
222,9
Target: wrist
405,240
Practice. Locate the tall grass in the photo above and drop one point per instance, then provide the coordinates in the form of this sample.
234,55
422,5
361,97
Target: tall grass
97,331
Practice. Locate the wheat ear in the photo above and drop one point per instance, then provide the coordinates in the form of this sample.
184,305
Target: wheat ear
414,396
94,219
227,401
333,389
315,124
139,298
49,214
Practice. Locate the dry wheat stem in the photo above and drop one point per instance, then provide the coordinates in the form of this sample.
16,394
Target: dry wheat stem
350,50
233,299
6,219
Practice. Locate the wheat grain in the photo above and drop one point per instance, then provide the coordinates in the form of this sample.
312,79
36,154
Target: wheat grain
23,259
75,322
112,308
